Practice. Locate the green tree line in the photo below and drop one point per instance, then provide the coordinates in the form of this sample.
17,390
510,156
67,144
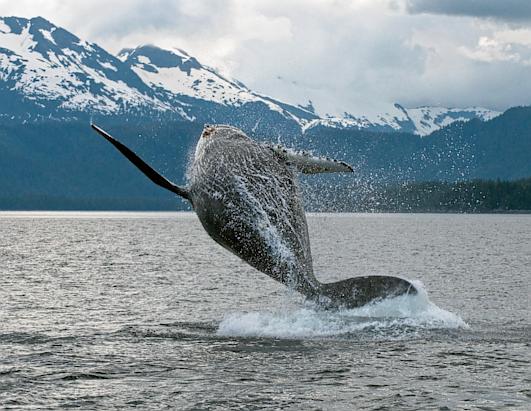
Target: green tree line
471,196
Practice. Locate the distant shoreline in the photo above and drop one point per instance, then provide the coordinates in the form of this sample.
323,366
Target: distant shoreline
467,197
6,212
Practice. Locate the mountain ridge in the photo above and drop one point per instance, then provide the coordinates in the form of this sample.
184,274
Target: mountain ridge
48,72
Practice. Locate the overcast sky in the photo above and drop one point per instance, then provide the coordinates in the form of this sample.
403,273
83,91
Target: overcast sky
358,56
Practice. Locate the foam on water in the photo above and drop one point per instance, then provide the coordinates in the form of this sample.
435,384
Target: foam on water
386,317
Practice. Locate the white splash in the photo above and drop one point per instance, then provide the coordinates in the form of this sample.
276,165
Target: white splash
383,318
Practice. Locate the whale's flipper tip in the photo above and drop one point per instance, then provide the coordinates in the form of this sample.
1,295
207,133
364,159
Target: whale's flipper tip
358,291
95,127
105,135
142,165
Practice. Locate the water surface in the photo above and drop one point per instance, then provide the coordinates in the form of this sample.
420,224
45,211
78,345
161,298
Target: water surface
103,310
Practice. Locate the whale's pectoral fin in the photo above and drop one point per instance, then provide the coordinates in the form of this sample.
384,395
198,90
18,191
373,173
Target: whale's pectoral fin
308,163
143,166
358,291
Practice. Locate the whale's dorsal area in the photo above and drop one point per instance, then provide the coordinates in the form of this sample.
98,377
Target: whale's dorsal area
247,199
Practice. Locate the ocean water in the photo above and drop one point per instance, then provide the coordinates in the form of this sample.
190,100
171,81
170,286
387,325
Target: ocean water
123,310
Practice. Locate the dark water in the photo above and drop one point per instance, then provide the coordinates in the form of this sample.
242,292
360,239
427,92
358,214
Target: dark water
118,310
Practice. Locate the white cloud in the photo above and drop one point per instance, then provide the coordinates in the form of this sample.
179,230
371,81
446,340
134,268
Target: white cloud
346,55
502,46
490,50
516,36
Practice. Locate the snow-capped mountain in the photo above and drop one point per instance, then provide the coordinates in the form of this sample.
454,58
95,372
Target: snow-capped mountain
421,120
51,72
46,71
176,73
428,119
56,70
177,77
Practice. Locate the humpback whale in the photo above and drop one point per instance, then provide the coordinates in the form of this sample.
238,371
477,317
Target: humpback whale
246,196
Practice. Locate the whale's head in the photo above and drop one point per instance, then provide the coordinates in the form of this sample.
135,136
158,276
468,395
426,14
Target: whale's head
218,132
222,131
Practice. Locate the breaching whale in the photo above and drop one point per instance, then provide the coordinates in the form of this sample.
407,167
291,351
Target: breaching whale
246,196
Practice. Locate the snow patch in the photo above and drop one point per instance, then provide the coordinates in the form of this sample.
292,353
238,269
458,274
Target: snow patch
144,60
4,28
48,35
107,65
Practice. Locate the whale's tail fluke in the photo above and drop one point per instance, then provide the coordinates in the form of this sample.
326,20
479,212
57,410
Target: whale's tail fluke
143,166
358,291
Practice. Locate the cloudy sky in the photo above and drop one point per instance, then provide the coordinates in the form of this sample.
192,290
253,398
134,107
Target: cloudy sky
358,56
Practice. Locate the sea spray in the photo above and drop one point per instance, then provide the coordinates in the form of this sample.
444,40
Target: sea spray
405,312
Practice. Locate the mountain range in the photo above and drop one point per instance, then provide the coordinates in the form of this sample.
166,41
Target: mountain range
52,84
48,72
